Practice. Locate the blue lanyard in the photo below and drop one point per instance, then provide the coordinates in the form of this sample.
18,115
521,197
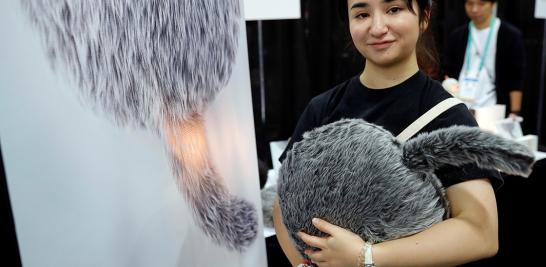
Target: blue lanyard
485,50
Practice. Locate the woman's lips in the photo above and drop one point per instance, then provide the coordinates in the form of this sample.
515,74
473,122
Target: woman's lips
382,45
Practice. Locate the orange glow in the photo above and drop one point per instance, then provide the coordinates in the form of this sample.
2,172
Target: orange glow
187,142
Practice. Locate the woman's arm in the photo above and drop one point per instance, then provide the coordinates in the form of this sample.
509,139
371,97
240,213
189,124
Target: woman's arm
515,101
470,234
288,248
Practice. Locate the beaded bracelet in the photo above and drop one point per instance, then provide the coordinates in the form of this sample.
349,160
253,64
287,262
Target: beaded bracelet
360,260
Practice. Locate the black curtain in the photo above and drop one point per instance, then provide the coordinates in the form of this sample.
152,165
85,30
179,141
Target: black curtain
521,14
9,238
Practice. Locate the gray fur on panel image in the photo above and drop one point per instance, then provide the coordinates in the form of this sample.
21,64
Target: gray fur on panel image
156,65
387,189
141,61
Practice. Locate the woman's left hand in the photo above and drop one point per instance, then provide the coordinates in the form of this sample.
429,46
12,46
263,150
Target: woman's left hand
340,249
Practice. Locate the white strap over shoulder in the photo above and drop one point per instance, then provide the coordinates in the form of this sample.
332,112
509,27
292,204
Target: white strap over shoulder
426,118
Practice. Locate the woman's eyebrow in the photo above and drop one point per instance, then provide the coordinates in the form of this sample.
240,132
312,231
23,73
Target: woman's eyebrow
359,5
365,4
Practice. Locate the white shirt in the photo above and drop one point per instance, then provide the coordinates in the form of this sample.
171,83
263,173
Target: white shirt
483,94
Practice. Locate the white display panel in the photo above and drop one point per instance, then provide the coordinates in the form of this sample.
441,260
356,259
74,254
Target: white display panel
540,9
85,192
268,10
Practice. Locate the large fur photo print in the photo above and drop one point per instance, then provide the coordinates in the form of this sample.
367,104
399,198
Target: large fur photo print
169,80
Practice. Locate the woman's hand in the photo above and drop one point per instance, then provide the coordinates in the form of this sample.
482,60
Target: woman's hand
340,249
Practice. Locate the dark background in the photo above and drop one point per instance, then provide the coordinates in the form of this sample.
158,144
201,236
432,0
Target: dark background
305,57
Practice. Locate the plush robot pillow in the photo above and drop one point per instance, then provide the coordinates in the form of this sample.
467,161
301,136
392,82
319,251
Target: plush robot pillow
359,176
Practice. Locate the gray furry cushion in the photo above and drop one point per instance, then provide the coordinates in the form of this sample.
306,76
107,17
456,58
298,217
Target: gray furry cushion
268,195
359,176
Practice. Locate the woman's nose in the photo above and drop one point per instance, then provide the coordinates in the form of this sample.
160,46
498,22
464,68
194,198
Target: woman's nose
379,25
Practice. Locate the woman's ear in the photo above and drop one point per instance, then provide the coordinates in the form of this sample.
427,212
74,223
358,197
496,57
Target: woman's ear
460,145
426,21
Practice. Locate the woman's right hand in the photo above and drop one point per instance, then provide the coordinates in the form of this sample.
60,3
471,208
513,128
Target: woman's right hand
341,248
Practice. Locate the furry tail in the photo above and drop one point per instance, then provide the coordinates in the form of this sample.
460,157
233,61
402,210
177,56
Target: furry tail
459,145
227,219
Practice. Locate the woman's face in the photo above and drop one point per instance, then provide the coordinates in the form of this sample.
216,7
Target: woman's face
385,32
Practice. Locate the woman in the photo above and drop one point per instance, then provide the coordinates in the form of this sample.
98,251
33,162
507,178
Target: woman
392,92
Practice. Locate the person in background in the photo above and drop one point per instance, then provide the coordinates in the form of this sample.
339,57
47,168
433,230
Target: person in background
487,58
392,91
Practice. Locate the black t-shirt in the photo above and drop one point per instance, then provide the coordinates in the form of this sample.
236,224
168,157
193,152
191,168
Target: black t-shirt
394,109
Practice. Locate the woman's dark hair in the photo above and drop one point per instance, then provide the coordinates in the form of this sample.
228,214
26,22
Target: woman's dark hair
427,55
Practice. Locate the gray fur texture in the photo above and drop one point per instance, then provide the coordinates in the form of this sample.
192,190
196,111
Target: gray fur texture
359,176
459,145
268,195
142,62
155,64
